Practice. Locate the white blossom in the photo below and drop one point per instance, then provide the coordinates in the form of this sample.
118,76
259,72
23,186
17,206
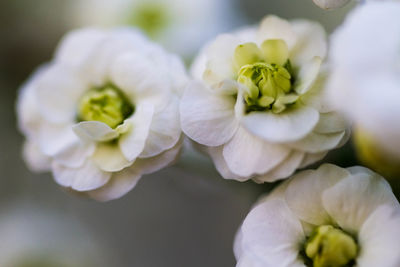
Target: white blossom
336,216
104,112
180,25
365,63
256,104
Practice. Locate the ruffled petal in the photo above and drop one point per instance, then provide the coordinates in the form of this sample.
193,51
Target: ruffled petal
351,201
272,235
273,27
109,158
85,178
247,155
95,131
133,142
165,130
120,183
221,166
35,159
316,143
303,194
207,118
307,75
285,169
290,125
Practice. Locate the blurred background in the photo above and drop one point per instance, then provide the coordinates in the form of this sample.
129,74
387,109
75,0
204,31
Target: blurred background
185,215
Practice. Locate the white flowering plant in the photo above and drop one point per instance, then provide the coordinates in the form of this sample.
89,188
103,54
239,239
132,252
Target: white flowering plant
263,102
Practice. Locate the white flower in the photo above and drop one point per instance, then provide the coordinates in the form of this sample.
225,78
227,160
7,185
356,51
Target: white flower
257,105
103,112
327,217
330,4
180,25
365,63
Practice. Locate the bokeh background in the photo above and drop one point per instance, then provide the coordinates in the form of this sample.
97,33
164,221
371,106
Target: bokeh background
185,215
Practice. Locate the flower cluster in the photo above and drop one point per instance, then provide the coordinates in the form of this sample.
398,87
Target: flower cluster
103,112
262,102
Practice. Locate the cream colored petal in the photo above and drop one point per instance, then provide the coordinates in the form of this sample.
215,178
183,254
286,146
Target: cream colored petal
291,125
35,159
379,238
316,143
285,169
273,27
330,122
311,42
120,184
109,158
272,235
85,178
304,193
247,155
94,131
207,118
351,201
165,130
311,158
307,75
330,4
133,141
221,166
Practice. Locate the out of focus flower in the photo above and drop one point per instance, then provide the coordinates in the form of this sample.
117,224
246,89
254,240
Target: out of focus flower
328,217
33,237
365,63
330,4
257,103
181,25
103,112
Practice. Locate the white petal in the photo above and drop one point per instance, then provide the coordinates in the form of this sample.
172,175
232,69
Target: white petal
316,143
221,166
351,201
272,235
273,27
312,158
287,126
285,169
77,45
165,130
60,143
58,91
120,183
29,117
85,178
307,75
109,158
311,42
163,160
35,159
94,131
132,143
207,118
247,155
331,122
303,194
379,238
219,65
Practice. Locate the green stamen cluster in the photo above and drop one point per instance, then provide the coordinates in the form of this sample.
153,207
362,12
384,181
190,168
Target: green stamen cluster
331,247
106,104
267,75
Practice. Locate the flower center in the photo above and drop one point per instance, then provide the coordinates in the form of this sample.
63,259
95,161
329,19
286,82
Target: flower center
331,247
267,76
150,17
106,104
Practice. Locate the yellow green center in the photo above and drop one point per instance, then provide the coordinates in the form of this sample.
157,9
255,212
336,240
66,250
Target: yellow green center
150,17
267,76
331,247
106,104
